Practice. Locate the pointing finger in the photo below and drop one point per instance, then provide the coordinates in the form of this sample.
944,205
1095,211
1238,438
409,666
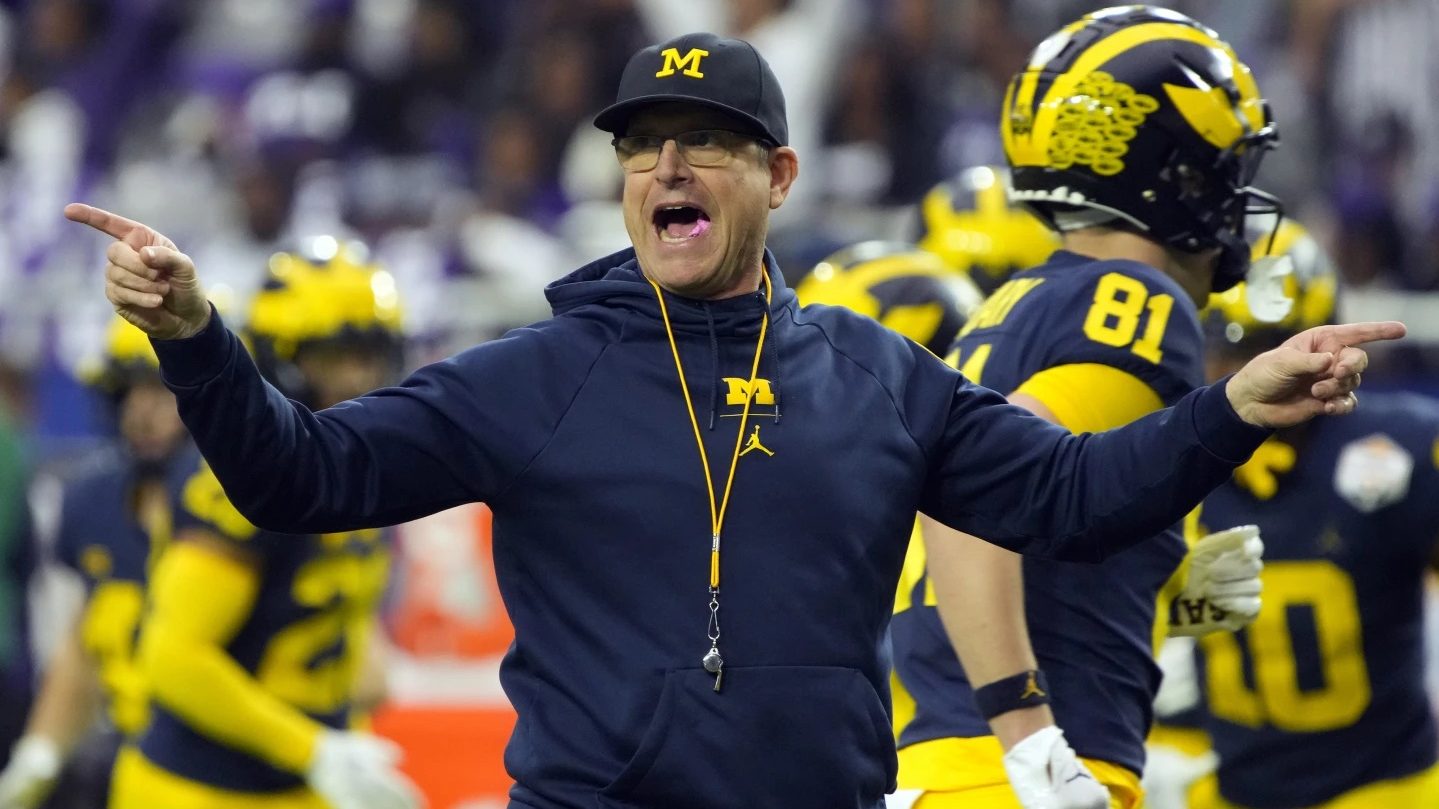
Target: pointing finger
110,224
1352,334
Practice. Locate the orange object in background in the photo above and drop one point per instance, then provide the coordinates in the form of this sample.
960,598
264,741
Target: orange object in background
455,755
449,603
449,630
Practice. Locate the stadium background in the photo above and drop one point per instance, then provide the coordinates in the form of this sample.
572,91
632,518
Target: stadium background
453,136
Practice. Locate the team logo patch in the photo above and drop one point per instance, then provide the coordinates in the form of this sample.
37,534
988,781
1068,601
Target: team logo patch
1373,472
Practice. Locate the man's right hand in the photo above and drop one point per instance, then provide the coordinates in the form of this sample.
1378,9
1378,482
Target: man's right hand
148,280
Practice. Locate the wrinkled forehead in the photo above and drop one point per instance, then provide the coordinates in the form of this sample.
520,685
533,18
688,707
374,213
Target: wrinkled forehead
670,117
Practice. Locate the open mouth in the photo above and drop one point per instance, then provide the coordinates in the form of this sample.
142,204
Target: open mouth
680,223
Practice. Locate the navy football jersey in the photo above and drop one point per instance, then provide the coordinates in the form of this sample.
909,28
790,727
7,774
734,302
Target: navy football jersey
302,641
1324,692
104,538
1091,626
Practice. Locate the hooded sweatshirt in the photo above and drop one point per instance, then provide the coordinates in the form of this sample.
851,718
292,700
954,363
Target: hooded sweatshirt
577,434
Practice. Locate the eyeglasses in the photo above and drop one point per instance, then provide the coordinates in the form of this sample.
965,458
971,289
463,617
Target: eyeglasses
700,147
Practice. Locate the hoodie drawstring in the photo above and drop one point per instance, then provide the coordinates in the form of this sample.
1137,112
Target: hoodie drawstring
774,364
714,365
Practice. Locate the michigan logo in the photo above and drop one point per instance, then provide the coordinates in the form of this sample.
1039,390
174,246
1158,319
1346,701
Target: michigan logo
689,64
740,391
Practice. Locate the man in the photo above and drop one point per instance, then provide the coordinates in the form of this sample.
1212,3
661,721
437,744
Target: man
114,519
1134,134
640,680
254,644
1321,702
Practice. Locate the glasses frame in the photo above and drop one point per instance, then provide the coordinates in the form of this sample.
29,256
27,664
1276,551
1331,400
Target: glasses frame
647,158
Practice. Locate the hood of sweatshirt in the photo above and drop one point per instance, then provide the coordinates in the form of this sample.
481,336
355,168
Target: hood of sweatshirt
616,281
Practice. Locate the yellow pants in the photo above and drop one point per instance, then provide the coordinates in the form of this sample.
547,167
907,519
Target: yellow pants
141,784
1418,790
969,774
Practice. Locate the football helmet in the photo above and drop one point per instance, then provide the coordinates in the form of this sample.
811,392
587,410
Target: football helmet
906,289
969,222
326,292
1310,284
128,358
1141,115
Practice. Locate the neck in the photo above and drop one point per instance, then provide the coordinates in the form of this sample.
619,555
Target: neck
1194,273
746,283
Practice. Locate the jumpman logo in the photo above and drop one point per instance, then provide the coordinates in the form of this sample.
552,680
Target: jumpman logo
1031,688
753,443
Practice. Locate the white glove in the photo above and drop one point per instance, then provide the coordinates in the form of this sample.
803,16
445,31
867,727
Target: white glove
1179,688
1168,775
30,775
353,770
1224,586
1046,774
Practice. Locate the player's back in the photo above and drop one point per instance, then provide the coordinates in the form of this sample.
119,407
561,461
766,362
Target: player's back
1100,343
300,640
1324,692
110,541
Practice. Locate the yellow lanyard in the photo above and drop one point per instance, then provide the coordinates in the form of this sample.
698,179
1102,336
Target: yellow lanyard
713,663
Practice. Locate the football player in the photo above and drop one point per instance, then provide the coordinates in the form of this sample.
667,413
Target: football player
114,520
906,288
971,224
254,642
1321,702
1134,133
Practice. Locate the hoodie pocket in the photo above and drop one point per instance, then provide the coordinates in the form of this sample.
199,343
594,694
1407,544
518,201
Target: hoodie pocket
783,736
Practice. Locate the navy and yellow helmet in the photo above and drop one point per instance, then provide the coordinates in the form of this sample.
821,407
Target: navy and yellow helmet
128,358
969,222
909,290
1311,286
326,293
1143,116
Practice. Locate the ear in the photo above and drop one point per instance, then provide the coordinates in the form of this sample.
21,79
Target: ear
783,170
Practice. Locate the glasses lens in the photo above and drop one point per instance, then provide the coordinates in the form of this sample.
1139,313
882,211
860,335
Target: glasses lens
706,147
638,152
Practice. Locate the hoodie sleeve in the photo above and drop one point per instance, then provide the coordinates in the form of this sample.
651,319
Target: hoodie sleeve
458,431
1000,473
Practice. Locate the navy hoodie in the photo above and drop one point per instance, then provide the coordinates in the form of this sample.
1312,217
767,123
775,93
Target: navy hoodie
575,432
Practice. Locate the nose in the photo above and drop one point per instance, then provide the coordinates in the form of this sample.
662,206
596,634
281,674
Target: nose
671,168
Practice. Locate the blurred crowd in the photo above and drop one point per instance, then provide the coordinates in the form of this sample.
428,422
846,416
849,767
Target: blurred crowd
453,137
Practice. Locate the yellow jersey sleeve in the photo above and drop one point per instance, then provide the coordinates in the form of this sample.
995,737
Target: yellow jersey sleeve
1091,398
200,598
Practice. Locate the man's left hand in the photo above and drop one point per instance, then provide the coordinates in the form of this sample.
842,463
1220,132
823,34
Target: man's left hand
1313,373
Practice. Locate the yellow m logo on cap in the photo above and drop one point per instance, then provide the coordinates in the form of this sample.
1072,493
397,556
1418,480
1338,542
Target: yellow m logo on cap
689,64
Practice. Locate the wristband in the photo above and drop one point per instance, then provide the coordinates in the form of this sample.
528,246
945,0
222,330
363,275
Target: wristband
1023,690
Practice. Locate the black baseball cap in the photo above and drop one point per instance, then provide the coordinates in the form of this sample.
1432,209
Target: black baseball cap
725,74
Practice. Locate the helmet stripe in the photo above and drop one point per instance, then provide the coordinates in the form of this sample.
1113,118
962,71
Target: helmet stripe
1034,152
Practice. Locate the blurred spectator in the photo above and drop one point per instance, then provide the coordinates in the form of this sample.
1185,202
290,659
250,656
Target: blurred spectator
16,672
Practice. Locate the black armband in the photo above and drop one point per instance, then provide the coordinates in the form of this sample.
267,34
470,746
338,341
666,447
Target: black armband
1023,690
